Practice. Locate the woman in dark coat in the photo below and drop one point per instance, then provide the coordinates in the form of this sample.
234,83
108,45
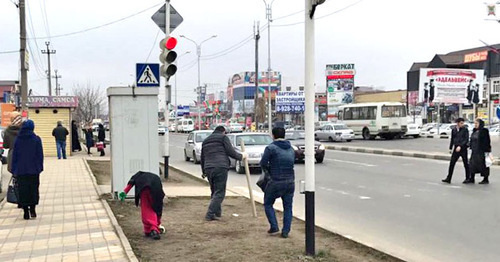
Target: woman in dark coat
480,145
75,140
89,139
27,164
101,136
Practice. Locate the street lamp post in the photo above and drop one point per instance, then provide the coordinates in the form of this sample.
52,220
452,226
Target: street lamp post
175,95
269,105
198,53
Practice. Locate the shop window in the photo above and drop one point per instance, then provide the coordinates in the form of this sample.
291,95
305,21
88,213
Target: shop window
496,87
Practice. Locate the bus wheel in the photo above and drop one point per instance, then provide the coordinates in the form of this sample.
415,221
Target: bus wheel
366,134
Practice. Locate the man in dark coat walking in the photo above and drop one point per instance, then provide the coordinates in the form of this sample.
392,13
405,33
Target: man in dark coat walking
458,143
215,152
60,133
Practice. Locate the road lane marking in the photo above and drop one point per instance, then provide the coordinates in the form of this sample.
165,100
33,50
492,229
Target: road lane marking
350,162
365,197
329,189
342,192
450,186
407,195
361,187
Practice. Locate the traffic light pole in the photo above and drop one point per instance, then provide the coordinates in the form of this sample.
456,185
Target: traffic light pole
166,143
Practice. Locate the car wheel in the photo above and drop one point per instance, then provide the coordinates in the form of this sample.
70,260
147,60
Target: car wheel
316,137
319,160
239,168
416,136
195,159
330,139
366,134
349,140
186,158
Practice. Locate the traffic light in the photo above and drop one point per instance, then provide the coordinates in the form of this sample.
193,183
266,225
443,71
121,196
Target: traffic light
167,57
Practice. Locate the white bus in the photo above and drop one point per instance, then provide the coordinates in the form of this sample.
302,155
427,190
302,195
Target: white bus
386,120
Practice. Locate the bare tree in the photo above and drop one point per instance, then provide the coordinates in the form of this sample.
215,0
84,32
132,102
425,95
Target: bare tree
90,99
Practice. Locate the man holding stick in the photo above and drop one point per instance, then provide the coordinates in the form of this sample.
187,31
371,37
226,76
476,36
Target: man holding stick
215,152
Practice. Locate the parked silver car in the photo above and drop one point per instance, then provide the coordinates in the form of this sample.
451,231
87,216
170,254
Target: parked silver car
334,132
255,144
192,147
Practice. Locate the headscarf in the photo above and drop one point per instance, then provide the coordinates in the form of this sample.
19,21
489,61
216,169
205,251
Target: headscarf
27,129
16,118
481,124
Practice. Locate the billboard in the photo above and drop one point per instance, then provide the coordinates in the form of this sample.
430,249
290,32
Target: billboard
290,102
340,86
451,86
243,106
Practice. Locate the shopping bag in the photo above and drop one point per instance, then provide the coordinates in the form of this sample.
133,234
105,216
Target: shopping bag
488,159
100,146
11,193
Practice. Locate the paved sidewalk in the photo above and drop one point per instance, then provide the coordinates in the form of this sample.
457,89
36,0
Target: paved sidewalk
72,223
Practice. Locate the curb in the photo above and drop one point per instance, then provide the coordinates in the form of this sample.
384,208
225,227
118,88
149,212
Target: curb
123,239
399,153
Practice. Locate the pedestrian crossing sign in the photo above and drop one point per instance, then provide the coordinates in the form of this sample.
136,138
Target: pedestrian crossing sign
147,75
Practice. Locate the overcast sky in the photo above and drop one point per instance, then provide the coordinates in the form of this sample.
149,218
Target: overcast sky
382,37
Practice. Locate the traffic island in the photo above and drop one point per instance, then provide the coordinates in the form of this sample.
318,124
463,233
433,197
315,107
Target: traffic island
237,237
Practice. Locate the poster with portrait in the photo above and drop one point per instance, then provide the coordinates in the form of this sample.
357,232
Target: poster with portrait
451,86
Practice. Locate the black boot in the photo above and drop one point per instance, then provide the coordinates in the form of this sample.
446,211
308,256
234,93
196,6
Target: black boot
26,213
32,211
485,181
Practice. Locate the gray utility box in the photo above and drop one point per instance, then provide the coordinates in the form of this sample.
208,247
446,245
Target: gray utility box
133,122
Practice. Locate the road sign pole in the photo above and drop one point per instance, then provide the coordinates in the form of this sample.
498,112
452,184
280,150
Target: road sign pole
167,91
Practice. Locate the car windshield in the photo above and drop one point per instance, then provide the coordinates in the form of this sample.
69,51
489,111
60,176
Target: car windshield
200,137
254,140
340,127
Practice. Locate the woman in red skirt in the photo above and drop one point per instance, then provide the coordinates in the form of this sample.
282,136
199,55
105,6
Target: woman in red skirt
149,193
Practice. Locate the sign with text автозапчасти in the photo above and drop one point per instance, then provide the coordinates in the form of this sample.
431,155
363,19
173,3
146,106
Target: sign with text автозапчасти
290,102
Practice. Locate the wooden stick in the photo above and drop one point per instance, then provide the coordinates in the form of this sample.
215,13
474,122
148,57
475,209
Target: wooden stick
247,172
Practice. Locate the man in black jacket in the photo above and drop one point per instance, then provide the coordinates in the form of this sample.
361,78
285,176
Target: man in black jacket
215,152
60,133
458,143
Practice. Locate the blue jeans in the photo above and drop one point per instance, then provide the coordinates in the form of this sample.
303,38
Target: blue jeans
61,149
276,190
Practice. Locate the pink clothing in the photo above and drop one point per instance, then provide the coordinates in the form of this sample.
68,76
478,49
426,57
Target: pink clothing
150,219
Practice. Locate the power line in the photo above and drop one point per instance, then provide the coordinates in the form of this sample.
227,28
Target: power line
154,44
9,52
320,17
100,26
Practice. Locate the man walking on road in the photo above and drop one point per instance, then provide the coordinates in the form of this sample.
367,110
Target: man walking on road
60,133
458,143
215,153
278,160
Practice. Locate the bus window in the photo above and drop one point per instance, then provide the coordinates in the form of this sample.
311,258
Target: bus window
355,113
393,111
341,114
348,114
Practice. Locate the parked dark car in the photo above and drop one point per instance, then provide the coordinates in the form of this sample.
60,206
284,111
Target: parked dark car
298,145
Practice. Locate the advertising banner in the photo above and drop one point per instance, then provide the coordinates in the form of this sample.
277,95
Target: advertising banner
452,86
340,86
290,102
7,109
247,107
53,101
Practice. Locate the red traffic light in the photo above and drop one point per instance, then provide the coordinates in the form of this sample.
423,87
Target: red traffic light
171,43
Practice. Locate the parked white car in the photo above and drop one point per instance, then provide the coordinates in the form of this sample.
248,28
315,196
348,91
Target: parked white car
255,144
446,129
185,125
161,130
173,127
192,147
235,128
413,130
334,132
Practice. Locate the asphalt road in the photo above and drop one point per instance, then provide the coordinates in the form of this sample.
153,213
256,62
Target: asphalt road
394,204
428,145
